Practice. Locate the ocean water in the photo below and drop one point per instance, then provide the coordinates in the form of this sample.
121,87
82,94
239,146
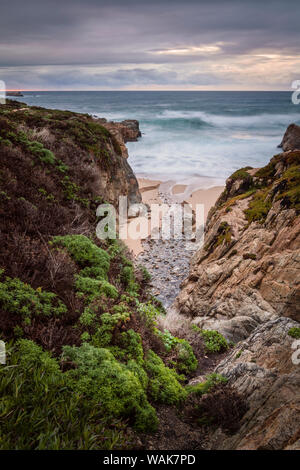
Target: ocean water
187,136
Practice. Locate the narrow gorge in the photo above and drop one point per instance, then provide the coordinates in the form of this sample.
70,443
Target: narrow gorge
170,349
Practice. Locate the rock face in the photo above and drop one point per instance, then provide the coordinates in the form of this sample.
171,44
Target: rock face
291,138
249,268
125,131
261,369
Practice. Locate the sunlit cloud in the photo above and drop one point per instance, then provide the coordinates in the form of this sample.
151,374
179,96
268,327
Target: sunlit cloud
190,50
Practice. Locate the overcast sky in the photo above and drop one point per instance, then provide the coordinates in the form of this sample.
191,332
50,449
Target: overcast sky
140,45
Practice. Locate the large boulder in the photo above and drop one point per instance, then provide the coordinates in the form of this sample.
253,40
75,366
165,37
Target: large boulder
264,371
291,138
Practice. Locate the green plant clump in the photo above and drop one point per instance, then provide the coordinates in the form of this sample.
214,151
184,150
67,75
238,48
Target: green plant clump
40,411
242,174
20,298
164,386
207,386
213,340
294,332
104,332
259,207
86,254
100,378
185,360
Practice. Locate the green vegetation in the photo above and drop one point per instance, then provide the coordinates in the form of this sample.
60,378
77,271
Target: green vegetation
223,235
213,340
149,313
128,279
185,360
294,332
85,253
146,274
259,206
100,378
40,408
238,354
19,298
164,386
289,188
242,174
108,323
212,380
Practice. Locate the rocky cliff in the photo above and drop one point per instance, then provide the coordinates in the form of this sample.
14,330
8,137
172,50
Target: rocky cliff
261,370
248,270
245,283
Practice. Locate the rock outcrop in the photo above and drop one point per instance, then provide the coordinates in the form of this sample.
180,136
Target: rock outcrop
124,131
14,93
264,371
248,271
291,138
78,139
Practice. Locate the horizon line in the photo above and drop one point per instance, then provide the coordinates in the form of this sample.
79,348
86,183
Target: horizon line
102,90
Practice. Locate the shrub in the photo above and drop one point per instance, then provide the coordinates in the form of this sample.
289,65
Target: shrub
222,407
145,273
294,332
20,298
164,386
185,360
100,378
128,279
214,341
87,317
39,411
148,312
85,253
131,342
93,288
104,333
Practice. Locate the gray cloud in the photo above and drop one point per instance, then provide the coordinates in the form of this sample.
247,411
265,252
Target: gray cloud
129,33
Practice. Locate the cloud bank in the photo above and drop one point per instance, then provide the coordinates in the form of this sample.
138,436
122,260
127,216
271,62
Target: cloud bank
92,44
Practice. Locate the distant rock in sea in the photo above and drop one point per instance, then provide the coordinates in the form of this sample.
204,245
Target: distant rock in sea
291,138
14,93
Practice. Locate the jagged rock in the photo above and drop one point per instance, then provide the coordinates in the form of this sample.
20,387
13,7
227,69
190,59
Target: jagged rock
125,131
130,130
248,270
291,138
261,369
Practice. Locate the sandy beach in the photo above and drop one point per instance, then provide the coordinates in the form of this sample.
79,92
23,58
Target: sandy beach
178,193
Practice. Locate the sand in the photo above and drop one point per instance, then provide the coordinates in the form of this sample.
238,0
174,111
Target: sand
179,193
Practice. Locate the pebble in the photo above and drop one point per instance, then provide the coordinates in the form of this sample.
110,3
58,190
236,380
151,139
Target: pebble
168,263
